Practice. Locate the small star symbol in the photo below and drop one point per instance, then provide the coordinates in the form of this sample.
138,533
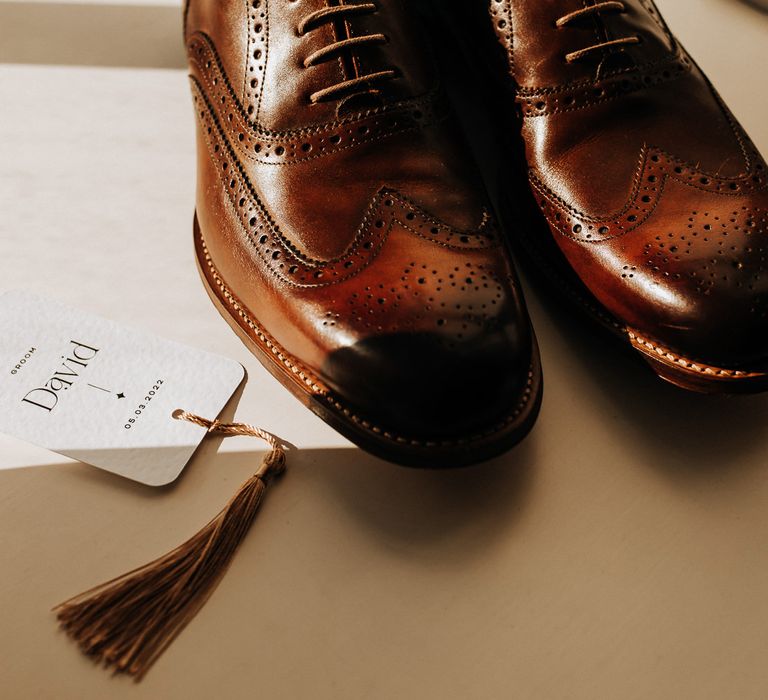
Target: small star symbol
121,395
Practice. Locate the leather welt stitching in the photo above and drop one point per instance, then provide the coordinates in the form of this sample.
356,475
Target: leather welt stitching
303,373
692,365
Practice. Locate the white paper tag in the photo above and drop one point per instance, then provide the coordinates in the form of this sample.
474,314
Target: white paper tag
104,394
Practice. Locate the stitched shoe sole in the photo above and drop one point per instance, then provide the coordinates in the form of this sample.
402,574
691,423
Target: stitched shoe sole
693,375
305,385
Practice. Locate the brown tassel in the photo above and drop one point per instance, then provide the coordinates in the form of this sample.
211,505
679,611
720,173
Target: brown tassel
127,622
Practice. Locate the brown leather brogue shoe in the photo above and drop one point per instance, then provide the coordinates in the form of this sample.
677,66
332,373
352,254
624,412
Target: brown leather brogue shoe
655,197
342,230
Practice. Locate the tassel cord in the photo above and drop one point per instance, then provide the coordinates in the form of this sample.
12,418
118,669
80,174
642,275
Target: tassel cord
129,621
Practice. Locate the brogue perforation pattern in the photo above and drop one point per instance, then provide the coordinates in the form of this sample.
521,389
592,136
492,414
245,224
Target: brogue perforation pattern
501,16
284,260
281,148
467,298
715,252
256,57
655,170
308,378
569,98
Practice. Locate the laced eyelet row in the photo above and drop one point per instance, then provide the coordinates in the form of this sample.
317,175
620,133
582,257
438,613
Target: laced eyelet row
364,83
591,11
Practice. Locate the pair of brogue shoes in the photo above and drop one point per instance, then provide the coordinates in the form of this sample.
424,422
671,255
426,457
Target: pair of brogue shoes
344,231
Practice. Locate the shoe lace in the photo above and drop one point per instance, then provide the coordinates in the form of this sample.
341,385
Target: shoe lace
364,82
591,11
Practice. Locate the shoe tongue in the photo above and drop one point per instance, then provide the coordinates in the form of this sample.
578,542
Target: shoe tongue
348,27
405,51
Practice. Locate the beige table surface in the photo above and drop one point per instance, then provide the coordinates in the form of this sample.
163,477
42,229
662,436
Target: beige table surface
620,552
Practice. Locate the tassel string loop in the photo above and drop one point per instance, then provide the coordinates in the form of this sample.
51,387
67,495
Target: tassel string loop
273,464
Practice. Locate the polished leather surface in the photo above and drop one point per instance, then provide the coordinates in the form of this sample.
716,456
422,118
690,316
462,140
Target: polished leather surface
354,228
650,187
